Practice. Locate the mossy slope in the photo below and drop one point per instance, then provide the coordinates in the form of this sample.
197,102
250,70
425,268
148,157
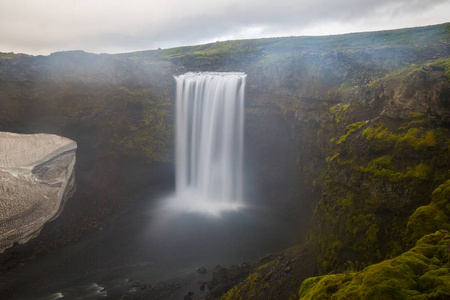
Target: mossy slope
433,216
383,162
371,161
420,273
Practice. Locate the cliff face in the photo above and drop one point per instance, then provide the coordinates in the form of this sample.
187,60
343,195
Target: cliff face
387,151
118,111
369,116
36,179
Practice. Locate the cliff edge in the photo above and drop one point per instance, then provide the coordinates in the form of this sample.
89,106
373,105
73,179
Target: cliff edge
36,178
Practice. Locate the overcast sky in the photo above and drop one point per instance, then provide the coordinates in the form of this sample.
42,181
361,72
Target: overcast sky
113,26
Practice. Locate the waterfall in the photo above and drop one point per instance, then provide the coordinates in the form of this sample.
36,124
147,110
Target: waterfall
209,140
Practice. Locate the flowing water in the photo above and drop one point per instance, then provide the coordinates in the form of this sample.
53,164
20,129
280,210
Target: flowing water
209,141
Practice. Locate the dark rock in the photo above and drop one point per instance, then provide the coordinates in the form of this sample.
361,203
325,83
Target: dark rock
225,278
220,289
202,270
427,67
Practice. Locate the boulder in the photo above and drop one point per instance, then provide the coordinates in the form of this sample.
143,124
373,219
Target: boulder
36,178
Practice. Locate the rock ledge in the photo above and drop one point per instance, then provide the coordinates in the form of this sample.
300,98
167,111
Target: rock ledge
36,178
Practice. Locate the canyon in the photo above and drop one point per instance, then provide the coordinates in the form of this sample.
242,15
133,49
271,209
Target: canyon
346,136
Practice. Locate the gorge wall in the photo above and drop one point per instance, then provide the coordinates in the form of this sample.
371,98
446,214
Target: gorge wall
348,135
118,112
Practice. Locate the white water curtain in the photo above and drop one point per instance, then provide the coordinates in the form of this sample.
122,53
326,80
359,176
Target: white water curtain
209,136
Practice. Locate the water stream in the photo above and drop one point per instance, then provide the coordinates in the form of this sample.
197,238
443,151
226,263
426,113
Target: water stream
209,141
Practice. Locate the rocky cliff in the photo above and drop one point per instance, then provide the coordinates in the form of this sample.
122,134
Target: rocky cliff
118,110
372,148
36,179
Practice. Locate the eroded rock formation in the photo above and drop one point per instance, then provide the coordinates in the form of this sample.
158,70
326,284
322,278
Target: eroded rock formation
36,178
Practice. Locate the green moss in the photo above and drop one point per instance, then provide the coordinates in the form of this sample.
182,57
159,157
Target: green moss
382,168
349,130
420,273
417,138
441,196
145,127
250,284
414,124
421,171
407,74
429,218
426,219
443,64
380,137
339,112
331,158
365,207
323,287
383,161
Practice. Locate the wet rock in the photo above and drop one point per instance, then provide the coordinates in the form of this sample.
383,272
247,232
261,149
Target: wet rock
225,278
143,291
202,270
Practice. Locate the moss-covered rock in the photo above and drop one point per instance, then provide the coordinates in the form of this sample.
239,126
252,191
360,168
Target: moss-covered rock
431,217
423,272
379,171
277,276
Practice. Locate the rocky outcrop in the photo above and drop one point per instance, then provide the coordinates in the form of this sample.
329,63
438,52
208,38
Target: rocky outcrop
36,179
420,273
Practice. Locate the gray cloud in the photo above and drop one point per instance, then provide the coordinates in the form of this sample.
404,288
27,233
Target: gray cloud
42,27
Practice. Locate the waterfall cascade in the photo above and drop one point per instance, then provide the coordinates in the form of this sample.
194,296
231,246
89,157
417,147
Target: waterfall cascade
209,141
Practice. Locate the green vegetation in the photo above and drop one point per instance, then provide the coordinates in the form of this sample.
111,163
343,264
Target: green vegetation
379,137
339,111
252,283
421,273
12,55
378,173
443,64
147,131
431,217
348,43
350,129
382,168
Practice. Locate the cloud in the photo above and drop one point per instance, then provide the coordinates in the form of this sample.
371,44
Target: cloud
42,27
